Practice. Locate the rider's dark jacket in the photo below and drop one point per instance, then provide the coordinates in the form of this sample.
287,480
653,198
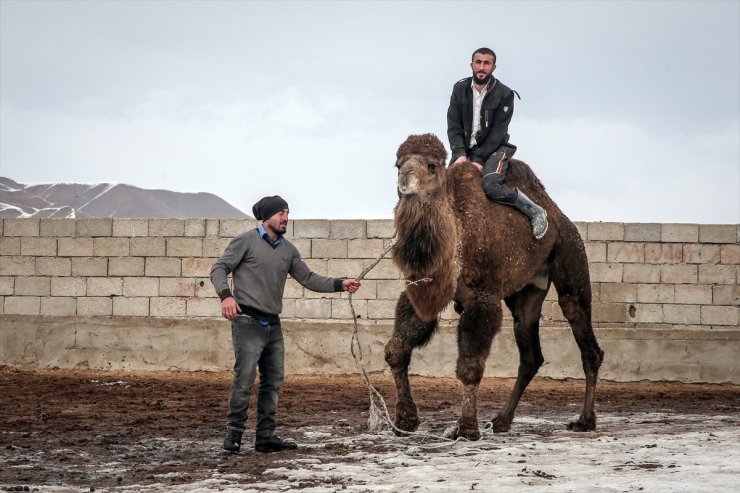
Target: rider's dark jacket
495,115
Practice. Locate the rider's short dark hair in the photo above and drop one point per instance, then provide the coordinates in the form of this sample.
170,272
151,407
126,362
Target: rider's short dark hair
484,51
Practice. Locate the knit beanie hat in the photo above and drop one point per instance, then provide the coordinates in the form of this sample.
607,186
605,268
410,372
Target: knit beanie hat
267,207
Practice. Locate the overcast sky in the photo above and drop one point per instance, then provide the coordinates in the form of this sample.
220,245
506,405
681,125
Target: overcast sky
630,111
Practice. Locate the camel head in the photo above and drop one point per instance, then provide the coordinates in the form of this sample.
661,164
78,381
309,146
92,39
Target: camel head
421,166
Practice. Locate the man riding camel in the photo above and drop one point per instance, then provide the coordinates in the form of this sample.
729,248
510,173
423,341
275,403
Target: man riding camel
477,124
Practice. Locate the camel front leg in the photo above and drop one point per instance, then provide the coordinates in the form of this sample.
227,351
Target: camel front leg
478,325
409,332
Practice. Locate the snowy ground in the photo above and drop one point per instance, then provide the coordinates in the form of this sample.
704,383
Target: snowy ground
652,452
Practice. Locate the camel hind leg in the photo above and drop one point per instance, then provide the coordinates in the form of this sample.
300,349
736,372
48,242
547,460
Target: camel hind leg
526,307
571,279
409,332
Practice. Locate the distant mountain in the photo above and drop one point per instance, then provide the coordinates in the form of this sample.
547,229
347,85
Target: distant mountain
107,200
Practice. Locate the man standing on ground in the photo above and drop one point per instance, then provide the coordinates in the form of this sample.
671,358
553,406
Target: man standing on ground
259,261
477,124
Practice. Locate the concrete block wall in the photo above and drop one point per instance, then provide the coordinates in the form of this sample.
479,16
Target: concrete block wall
643,275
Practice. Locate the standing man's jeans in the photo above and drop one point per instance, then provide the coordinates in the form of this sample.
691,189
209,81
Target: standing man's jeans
256,345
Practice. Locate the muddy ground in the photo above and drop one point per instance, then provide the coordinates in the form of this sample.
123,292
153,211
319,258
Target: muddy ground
70,430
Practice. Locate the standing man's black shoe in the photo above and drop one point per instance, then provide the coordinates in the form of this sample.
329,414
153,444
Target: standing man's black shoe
274,444
233,440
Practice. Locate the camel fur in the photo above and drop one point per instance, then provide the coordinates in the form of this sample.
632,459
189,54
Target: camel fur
454,245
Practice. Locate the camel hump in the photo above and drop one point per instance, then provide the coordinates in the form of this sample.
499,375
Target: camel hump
520,173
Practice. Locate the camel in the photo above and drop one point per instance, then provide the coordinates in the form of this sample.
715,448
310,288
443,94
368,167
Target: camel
454,245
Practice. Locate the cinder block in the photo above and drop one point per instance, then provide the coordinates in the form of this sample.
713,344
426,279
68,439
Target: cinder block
312,228
130,227
388,289
293,289
717,274
203,308
308,294
607,272
319,266
729,254
126,266
663,253
91,267
701,254
288,309
693,294
605,231
678,274
176,286
75,247
94,306
595,251
302,244
197,267
609,312
195,227
166,227
58,306
348,228
94,227
349,268
368,290
214,247
380,228
681,314
104,286
184,247
341,310
325,248
110,247
53,266
718,233
680,233
656,293
57,227
204,289
626,252
10,246
6,286
642,232
726,295
385,269
313,308
645,313
230,228
22,305
17,266
20,227
131,307
582,229
68,286
147,247
368,248
140,286
618,292
162,267
212,227
381,309
39,247
167,307
712,315
32,286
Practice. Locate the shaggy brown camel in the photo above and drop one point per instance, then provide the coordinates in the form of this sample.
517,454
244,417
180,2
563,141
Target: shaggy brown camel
453,244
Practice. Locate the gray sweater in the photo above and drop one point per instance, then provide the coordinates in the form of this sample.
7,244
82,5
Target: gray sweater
259,272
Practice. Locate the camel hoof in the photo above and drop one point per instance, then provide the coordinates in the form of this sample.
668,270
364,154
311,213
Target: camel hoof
500,425
405,424
472,434
583,425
